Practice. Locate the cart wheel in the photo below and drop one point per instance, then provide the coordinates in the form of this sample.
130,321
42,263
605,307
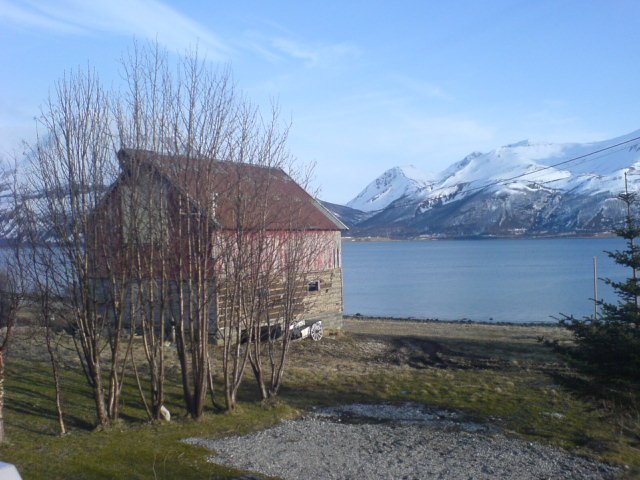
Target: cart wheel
316,331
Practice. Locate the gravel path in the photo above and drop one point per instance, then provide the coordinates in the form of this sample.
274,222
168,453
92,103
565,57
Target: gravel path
395,442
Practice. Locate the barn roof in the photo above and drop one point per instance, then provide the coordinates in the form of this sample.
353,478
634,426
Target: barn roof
237,193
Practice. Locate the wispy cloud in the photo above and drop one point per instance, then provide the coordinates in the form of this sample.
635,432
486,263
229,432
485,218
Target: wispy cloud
150,19
284,47
24,16
421,88
313,55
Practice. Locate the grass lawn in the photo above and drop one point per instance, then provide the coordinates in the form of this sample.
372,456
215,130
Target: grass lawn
495,373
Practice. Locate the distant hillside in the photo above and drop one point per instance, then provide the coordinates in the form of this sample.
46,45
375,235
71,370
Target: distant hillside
349,216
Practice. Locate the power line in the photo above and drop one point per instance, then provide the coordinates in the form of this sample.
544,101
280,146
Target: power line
540,169
547,167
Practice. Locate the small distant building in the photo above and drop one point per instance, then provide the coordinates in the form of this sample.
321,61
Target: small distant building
236,209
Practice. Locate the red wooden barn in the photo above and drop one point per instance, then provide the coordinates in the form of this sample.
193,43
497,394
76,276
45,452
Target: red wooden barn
191,218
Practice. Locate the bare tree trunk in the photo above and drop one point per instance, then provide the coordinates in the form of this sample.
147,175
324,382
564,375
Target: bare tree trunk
1,397
71,164
12,290
55,370
98,394
39,273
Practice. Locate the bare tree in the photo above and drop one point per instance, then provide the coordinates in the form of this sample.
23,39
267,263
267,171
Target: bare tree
293,259
184,240
221,254
71,164
11,284
246,246
33,272
39,274
10,299
184,118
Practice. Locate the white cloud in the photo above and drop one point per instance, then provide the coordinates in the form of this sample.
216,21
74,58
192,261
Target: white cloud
283,47
21,16
314,55
422,88
149,19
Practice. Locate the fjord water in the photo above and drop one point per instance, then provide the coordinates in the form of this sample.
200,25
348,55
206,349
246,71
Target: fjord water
528,280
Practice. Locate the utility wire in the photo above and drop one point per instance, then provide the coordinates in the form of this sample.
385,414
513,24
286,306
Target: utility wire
547,167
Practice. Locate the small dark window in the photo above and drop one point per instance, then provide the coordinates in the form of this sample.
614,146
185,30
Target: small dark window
314,286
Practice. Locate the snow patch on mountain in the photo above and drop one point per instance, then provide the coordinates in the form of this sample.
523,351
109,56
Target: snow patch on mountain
523,187
512,168
393,184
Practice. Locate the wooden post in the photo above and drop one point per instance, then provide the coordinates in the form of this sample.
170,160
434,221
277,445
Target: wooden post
1,395
595,288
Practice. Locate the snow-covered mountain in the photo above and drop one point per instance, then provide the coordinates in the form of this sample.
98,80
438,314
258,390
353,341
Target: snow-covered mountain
393,184
8,218
523,188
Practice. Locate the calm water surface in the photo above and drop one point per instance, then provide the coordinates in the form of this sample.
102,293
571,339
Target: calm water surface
481,280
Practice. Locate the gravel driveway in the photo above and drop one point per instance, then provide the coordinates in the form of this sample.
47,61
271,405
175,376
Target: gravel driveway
409,441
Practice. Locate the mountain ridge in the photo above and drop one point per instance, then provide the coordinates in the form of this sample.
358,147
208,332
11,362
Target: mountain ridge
524,188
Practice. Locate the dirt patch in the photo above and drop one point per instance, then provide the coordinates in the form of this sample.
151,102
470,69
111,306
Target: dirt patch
418,353
418,345
453,345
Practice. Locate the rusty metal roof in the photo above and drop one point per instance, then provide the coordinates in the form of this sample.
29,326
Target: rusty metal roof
237,194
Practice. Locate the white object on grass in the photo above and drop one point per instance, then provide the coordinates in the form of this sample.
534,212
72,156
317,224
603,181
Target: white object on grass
9,472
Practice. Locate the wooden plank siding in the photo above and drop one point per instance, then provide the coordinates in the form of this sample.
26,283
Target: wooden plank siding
323,304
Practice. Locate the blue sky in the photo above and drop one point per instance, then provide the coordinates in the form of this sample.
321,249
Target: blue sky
367,85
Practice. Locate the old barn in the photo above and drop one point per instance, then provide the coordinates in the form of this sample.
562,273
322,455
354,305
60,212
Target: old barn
235,243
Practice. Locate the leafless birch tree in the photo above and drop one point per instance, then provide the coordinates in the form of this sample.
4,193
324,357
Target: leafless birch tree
11,284
187,115
253,255
289,260
169,254
10,300
193,115
71,165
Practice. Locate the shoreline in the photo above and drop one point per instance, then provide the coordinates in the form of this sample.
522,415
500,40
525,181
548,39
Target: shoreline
462,321
435,238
